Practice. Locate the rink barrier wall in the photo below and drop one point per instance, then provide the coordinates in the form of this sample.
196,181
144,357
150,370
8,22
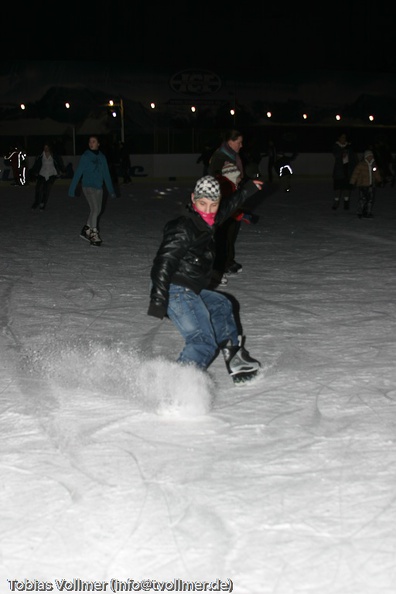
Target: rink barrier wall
174,166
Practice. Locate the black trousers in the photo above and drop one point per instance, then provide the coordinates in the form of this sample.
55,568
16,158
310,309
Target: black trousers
225,238
365,200
43,189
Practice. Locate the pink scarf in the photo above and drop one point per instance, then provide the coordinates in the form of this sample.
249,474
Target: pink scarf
208,217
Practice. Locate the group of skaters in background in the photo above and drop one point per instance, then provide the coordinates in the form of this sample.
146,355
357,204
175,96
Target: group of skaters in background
230,162
375,169
93,174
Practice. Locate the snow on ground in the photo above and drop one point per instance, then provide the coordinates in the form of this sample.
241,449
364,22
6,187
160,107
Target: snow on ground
118,466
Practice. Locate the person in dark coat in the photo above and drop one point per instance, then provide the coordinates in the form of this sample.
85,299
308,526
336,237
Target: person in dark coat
283,167
181,275
228,154
345,160
224,265
205,157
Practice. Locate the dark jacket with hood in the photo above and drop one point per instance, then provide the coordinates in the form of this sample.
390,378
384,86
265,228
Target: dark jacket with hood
186,254
224,154
345,160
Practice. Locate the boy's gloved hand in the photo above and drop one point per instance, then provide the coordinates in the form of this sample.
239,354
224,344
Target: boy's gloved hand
157,309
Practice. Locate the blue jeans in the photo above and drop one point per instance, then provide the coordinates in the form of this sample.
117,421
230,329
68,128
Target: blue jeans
206,322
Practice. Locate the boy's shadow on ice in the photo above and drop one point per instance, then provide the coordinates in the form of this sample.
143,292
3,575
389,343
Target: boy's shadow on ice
235,309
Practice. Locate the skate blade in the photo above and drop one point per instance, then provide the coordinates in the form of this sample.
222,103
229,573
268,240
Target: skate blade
244,378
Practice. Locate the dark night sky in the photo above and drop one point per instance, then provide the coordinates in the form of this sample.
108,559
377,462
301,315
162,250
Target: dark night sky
342,35
242,37
310,51
307,50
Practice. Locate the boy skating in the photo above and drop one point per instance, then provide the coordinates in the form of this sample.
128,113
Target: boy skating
182,272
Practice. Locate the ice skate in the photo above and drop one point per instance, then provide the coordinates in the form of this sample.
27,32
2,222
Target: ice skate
86,233
245,377
240,365
234,268
95,238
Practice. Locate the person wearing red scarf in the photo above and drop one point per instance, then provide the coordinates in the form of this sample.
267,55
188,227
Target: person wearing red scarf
181,277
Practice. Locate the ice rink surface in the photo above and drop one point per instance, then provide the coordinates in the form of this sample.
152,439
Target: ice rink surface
118,466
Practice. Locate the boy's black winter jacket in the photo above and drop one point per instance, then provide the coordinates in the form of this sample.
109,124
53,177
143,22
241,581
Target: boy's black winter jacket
186,254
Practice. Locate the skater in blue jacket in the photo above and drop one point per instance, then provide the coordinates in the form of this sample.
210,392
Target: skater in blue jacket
94,171
181,276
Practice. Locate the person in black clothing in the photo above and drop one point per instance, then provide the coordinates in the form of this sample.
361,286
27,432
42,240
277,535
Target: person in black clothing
181,275
345,160
204,158
283,167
